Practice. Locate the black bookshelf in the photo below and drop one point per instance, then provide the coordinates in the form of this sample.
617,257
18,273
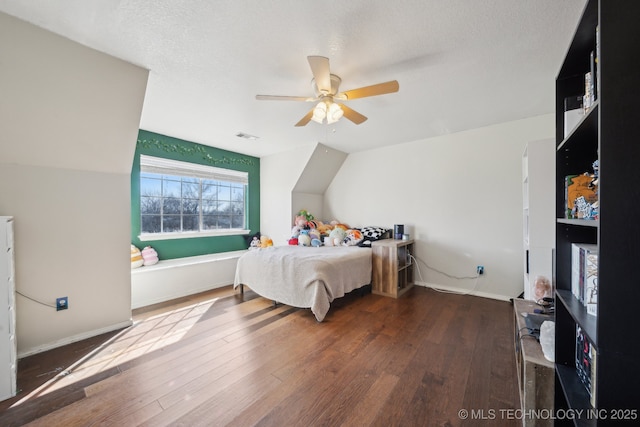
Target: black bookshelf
609,133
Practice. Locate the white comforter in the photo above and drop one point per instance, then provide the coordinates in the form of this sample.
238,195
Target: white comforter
306,277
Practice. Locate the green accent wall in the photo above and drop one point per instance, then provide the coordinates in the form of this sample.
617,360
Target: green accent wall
158,145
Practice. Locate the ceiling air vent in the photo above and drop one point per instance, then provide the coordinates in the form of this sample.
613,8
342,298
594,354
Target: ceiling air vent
246,136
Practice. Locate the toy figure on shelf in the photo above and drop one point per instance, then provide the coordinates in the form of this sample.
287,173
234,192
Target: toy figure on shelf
542,288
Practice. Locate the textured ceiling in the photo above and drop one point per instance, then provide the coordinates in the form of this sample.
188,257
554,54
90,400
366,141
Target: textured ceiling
461,64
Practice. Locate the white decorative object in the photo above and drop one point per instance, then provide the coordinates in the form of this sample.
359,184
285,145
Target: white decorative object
547,339
538,218
8,360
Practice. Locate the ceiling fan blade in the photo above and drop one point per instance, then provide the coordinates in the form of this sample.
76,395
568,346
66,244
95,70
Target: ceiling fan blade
283,98
352,114
321,74
373,90
303,121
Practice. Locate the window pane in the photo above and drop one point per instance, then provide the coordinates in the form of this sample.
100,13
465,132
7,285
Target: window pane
224,192
237,193
237,222
170,223
190,206
171,206
150,187
224,221
237,208
190,189
190,223
209,190
150,224
209,207
150,205
209,222
224,208
171,188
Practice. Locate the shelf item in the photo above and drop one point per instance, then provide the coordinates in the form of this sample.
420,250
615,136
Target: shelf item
8,360
579,191
538,214
535,372
602,331
393,265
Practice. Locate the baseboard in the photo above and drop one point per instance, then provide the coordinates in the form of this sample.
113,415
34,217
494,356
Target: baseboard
75,338
460,291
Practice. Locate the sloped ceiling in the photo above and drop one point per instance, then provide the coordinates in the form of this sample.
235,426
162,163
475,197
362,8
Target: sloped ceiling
461,64
320,169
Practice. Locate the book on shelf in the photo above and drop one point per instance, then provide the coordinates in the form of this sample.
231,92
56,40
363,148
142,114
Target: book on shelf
587,99
593,82
597,60
594,382
590,296
584,354
577,186
584,275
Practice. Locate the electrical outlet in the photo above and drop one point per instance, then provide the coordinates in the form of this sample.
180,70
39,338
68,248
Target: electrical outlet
62,303
480,270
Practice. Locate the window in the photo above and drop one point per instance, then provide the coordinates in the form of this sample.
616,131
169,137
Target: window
179,197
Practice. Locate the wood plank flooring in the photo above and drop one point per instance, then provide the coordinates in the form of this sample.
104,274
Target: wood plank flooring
224,358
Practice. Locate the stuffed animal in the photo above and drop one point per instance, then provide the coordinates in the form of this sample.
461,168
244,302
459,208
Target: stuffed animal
265,242
255,243
316,239
300,221
295,231
541,288
307,216
314,234
304,239
149,256
336,236
136,257
293,241
353,237
324,229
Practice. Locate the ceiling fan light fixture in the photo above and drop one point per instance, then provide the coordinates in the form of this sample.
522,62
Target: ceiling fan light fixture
334,113
320,112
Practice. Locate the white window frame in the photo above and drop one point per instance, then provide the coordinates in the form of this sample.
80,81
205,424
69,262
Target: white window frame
158,165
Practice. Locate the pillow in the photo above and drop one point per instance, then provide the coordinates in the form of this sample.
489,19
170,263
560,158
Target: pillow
149,256
136,257
374,233
371,234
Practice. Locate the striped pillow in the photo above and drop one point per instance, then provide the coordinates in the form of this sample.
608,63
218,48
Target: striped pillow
136,257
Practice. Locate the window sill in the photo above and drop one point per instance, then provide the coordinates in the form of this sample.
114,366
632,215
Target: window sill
187,235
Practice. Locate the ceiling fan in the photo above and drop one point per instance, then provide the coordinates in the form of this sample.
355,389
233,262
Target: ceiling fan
325,86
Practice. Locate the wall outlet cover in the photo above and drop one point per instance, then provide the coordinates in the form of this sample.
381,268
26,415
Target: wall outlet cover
62,303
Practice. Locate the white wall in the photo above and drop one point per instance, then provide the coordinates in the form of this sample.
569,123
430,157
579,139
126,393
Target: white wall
292,181
459,196
69,117
279,174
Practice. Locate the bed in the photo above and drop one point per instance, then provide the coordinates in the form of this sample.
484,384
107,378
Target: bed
305,277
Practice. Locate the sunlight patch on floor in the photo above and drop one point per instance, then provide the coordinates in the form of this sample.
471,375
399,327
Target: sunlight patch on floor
144,336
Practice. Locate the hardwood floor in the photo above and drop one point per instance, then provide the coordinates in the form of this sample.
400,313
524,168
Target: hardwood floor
222,358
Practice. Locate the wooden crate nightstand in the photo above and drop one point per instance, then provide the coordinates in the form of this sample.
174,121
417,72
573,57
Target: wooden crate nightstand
392,267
